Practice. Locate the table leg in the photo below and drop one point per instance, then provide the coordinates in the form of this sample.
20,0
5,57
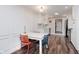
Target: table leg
40,47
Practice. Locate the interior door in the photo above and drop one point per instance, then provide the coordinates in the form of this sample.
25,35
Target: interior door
58,26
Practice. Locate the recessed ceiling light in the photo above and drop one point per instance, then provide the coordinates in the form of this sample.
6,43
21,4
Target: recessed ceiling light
66,7
56,13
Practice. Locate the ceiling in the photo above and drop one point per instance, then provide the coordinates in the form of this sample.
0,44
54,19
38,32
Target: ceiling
52,10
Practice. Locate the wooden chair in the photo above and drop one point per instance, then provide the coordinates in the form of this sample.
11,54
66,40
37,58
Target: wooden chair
25,41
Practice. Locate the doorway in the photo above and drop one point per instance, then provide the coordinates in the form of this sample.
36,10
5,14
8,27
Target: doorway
58,26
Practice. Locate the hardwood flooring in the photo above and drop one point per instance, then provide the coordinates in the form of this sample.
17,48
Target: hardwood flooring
56,45
60,45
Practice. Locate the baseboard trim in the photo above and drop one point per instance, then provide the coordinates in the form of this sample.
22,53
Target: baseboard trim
76,51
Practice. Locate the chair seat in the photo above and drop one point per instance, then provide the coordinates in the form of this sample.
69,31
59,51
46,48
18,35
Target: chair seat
28,43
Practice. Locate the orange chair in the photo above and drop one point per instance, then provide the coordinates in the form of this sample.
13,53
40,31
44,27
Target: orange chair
25,41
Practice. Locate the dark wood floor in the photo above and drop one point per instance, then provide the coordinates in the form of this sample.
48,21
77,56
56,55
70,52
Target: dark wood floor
60,45
57,45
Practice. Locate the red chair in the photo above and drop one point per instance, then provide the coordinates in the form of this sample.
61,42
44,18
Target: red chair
25,41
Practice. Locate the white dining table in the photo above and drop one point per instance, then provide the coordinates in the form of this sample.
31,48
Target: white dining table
37,36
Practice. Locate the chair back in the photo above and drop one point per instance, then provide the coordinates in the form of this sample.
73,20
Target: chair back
24,38
45,40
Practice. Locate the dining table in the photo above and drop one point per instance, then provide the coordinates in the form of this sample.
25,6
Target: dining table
36,36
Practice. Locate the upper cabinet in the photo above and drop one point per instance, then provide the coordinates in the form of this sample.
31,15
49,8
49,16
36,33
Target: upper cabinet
75,12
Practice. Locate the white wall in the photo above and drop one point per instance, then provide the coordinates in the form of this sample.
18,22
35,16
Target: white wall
75,27
52,25
12,22
72,26
74,35
70,21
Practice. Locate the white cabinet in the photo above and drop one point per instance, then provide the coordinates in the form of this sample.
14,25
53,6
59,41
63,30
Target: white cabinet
75,12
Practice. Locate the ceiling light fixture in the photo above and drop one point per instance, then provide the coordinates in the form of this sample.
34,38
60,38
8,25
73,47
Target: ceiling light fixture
56,13
42,8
